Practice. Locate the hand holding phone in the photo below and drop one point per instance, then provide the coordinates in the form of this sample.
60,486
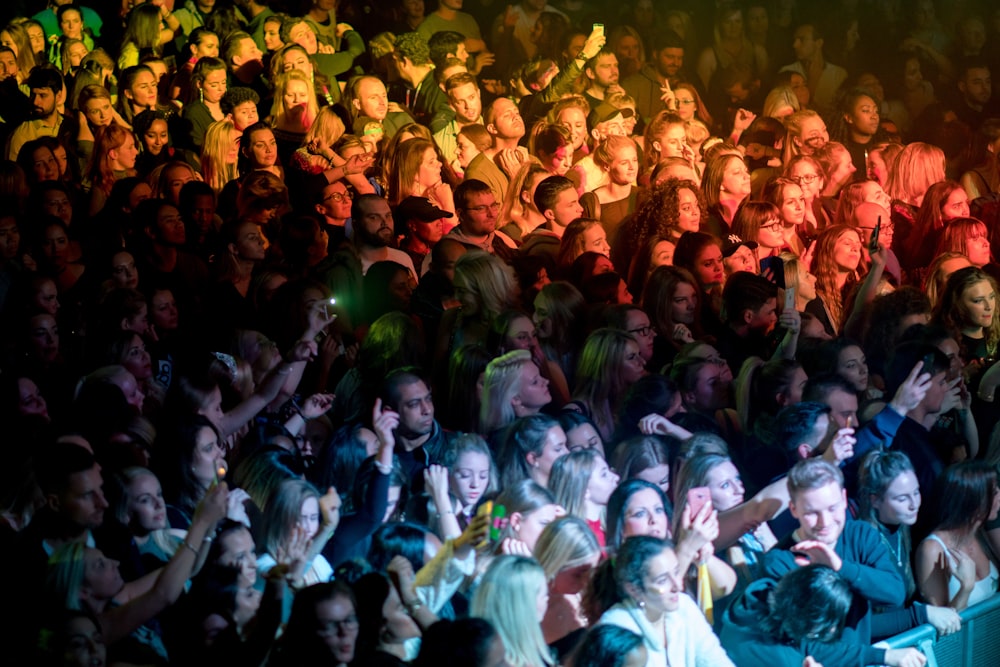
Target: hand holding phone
873,241
697,498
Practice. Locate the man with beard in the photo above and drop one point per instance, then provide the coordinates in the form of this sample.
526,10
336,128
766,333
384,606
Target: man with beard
419,438
47,94
602,73
648,85
465,108
375,234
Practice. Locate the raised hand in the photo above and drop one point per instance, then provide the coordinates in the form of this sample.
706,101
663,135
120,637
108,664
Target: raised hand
912,391
814,551
316,405
384,423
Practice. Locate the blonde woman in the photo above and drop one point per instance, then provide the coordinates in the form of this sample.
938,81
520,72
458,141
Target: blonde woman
805,133
568,554
512,387
316,154
582,482
220,154
619,159
294,111
513,597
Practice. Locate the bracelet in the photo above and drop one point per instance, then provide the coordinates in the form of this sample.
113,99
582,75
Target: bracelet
185,543
384,468
414,606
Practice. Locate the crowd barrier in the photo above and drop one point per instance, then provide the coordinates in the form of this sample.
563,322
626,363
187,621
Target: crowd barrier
977,645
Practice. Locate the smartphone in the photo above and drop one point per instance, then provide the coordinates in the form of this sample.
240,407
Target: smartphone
599,28
789,298
697,497
328,304
928,366
486,509
873,241
777,266
497,515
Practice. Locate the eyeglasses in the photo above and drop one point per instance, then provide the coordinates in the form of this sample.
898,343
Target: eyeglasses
645,331
685,102
807,179
331,626
775,226
493,208
339,196
886,227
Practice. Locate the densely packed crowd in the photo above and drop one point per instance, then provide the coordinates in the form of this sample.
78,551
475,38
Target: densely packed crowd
339,332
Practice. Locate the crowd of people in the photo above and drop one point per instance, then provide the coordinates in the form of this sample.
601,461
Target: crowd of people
579,333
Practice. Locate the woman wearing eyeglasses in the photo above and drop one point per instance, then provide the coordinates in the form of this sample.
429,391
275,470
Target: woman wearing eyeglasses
324,622
761,222
807,172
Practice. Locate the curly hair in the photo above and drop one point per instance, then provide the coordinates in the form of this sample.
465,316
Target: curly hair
826,271
659,214
951,311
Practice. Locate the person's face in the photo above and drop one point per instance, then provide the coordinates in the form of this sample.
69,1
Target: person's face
465,150
520,335
708,266
263,148
645,515
625,167
771,234
847,251
534,394
143,90
793,205
272,36
813,136
843,408
574,120
102,579
156,137
726,486
804,44
245,115
673,141
99,112
372,99
71,25
127,153
663,254
821,512
56,246
337,626
85,645
853,367
809,179
764,319
603,482
416,409
901,501
979,304
82,503
533,523
207,456
469,477
336,201
638,325
44,164
296,59
164,310
742,259
567,207
251,244
308,519
377,223
429,172
507,121
662,583
10,237
633,365
467,103
137,360
553,448
170,227
736,178
688,211
130,389
863,116
977,86
46,298
540,317
873,192
208,47
584,436
296,94
30,401
303,35
977,246
685,103
572,580
413,8
628,49
684,303
123,270
559,161
596,240
44,337
710,389
669,61
8,63
146,509
479,217
214,86
956,205
605,71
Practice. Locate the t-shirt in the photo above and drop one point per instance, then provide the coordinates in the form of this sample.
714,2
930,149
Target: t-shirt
462,23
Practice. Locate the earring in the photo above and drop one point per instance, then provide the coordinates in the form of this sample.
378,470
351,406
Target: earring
201,95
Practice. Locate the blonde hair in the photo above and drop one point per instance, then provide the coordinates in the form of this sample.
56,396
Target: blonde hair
780,96
501,383
569,479
566,542
793,128
216,168
604,154
327,125
281,84
917,167
506,597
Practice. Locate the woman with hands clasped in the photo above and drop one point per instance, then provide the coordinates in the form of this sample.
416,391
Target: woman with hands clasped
81,577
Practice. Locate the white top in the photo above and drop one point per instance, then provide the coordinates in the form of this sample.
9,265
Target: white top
690,639
318,570
984,587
